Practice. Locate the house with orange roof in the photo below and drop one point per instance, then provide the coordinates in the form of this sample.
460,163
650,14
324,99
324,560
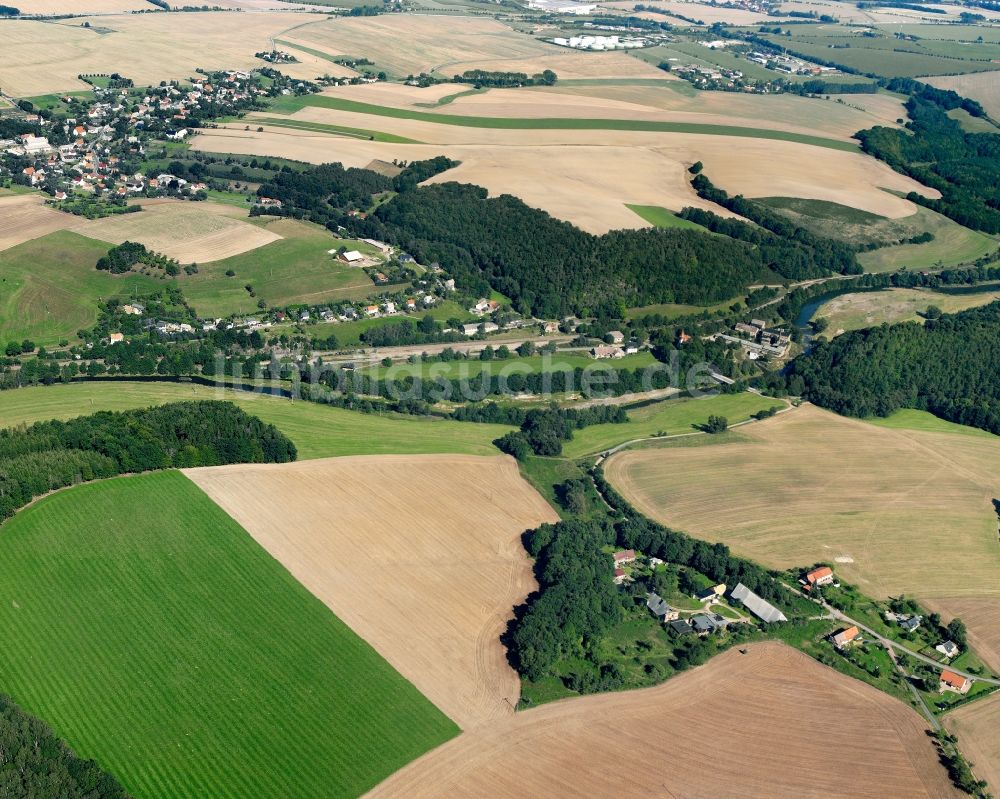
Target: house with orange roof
821,576
845,638
954,682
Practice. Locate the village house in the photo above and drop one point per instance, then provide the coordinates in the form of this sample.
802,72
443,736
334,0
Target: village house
821,576
659,608
620,576
616,336
704,624
371,310
683,338
411,304
845,638
605,351
116,338
910,624
390,307
954,682
624,556
713,593
947,648
133,309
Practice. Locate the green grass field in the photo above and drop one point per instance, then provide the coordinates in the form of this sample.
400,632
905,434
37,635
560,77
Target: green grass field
673,310
154,635
661,217
50,288
872,308
953,244
290,104
295,269
318,431
909,419
670,417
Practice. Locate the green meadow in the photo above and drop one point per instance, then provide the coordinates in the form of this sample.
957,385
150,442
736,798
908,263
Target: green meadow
319,431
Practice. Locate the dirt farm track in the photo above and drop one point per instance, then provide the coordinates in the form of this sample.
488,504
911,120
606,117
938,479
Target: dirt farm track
771,723
419,555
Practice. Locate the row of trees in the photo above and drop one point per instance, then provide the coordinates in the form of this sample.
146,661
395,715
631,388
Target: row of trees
543,430
51,455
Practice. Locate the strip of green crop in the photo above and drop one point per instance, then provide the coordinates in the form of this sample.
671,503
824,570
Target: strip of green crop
290,104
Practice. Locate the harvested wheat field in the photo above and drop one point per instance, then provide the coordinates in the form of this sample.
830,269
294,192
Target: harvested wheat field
556,170
419,555
702,12
982,86
898,511
43,57
731,727
978,729
191,232
408,44
25,216
52,7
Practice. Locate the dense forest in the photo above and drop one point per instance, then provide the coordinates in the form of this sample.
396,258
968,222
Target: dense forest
35,764
51,455
964,167
950,366
548,267
551,268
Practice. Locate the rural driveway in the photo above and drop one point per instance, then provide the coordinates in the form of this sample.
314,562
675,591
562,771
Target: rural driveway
889,644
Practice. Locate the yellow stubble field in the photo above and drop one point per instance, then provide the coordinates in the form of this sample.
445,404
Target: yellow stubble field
742,724
894,510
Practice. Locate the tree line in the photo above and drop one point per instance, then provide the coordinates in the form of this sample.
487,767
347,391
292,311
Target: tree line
55,454
963,167
36,763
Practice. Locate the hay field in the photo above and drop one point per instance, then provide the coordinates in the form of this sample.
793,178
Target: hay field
49,288
419,555
25,216
191,232
50,7
705,13
556,170
408,44
976,726
737,726
44,57
899,511
773,111
871,308
981,86
152,633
